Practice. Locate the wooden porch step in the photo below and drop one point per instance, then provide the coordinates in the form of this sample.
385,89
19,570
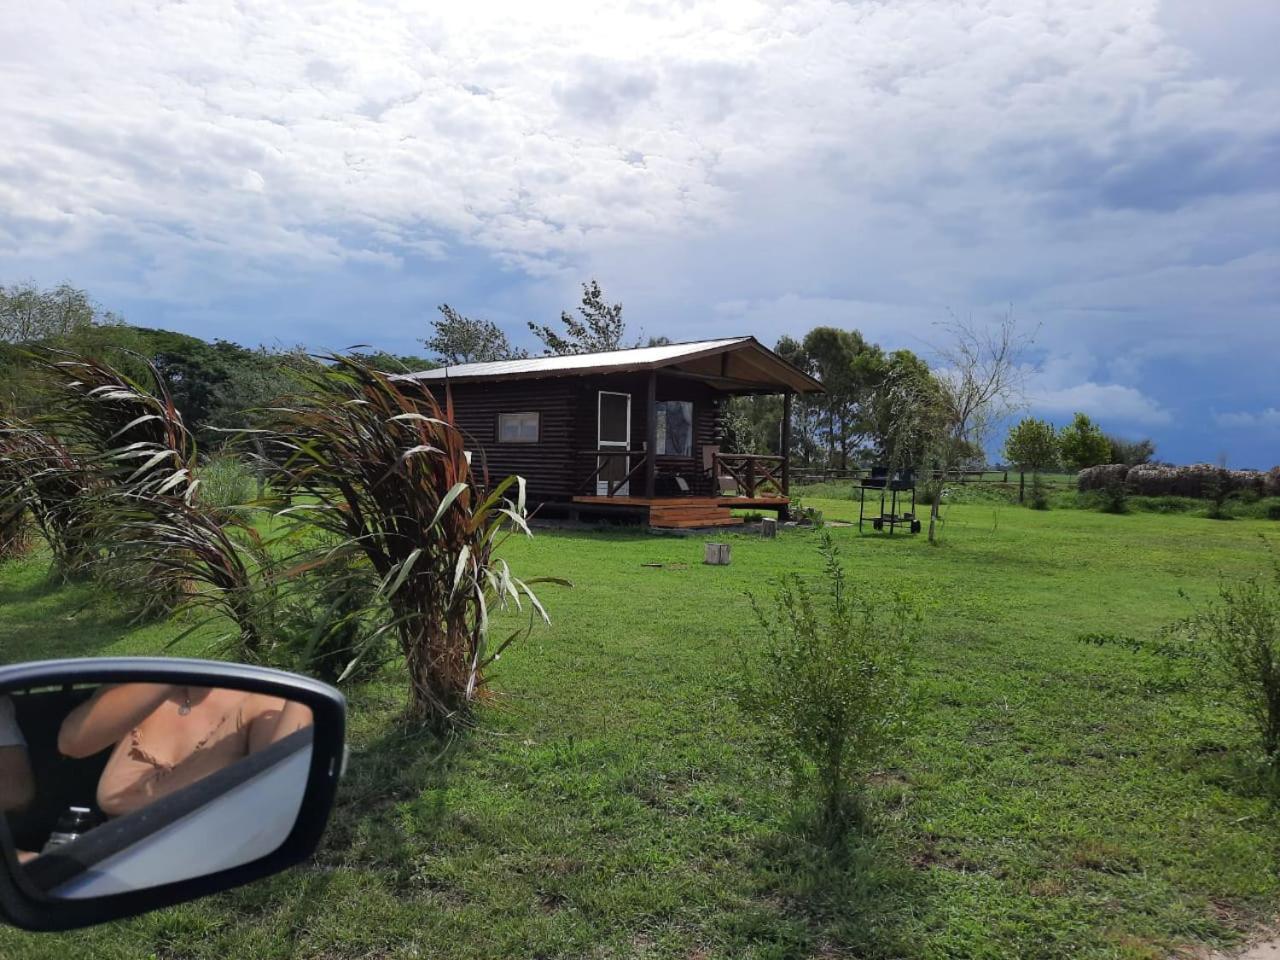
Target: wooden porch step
686,512
689,524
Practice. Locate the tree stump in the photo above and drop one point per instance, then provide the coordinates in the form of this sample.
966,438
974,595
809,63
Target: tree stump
718,554
769,528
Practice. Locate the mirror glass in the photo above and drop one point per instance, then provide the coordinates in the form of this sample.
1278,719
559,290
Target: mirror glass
108,788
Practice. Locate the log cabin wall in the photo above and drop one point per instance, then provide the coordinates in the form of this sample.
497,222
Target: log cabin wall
567,407
547,465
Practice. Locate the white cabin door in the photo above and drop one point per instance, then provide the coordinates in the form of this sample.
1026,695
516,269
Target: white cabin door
613,435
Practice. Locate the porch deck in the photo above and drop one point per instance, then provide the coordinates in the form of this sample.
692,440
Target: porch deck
688,512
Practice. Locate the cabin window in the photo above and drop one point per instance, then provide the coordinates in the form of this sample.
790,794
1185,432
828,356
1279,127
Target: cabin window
675,428
518,428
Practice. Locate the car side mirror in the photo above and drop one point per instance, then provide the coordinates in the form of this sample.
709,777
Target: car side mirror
131,784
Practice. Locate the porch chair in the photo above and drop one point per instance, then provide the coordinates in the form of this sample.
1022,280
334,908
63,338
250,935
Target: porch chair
723,483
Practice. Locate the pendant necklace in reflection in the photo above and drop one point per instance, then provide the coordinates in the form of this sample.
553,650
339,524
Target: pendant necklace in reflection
186,702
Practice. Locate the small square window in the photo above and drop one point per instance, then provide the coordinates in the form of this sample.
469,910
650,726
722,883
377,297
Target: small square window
518,428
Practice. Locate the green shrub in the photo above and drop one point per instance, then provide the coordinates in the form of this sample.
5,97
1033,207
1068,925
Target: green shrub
1164,504
56,490
1114,498
1240,633
831,687
328,622
128,581
1039,499
1273,511
15,533
226,481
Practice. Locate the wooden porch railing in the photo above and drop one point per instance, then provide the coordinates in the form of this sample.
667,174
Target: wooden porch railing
752,472
603,459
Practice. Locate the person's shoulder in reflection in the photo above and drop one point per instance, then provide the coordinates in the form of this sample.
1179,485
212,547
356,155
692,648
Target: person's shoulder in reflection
17,785
163,736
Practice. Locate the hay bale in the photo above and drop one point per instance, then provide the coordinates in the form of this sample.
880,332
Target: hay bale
1101,476
1197,480
1250,481
1162,480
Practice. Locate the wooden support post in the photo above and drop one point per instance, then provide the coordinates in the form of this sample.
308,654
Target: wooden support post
651,436
786,444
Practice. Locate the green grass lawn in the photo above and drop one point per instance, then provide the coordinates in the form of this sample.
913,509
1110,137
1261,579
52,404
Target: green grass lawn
1057,800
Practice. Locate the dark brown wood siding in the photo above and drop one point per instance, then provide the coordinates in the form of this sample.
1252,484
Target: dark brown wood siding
547,465
567,407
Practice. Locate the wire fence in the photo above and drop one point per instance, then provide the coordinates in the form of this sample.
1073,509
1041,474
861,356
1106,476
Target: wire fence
807,476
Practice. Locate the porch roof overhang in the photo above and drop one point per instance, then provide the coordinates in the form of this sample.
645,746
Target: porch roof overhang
736,365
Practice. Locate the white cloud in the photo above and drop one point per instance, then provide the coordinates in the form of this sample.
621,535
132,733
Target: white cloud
1109,167
540,131
1107,402
1268,418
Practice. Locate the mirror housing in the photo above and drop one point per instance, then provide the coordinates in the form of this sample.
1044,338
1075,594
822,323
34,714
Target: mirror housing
317,750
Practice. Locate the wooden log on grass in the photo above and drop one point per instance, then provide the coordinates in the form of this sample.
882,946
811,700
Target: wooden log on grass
717,554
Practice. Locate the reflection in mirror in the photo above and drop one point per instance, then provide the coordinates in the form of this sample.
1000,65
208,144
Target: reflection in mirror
118,787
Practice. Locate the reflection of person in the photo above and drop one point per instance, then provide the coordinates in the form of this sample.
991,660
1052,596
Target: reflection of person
166,736
17,786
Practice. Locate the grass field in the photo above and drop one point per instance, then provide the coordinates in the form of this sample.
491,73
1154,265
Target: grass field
1057,800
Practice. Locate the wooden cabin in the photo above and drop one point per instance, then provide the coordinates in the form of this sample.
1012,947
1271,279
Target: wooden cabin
632,432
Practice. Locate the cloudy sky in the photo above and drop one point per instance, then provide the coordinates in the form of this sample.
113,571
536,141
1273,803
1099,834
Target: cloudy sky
326,173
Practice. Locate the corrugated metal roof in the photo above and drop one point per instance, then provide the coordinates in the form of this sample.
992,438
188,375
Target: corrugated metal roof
745,366
639,357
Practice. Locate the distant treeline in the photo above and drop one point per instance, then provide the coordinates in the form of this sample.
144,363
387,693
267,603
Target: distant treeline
216,386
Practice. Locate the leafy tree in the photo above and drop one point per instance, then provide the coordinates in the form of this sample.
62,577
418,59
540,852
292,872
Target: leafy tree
906,411
850,369
806,411
460,339
387,362
63,317
1131,452
29,314
753,424
600,326
1083,443
1032,445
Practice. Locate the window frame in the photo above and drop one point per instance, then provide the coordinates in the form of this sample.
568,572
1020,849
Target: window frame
665,437
537,427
